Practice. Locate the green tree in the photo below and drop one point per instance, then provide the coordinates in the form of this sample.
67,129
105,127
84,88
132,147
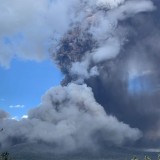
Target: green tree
134,158
158,156
147,158
4,156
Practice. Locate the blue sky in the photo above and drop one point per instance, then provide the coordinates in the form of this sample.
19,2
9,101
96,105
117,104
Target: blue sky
139,85
26,36
23,84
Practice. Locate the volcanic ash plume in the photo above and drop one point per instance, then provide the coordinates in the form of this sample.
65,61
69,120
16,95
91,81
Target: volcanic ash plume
108,48
69,116
95,36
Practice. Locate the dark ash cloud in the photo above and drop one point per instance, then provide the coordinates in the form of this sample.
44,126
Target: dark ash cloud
109,95
124,56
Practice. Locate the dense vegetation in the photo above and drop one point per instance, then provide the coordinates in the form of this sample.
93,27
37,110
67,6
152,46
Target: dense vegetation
5,156
146,158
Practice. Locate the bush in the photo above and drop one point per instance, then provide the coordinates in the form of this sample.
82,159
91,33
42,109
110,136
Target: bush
146,158
4,156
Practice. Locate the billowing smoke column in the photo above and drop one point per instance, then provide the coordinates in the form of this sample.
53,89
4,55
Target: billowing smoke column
75,115
103,49
69,118
95,36
69,121
109,48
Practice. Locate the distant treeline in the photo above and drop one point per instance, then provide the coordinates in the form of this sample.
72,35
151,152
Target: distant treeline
5,156
146,157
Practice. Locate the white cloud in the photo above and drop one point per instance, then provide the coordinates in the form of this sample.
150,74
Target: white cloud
15,118
27,28
24,117
18,106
